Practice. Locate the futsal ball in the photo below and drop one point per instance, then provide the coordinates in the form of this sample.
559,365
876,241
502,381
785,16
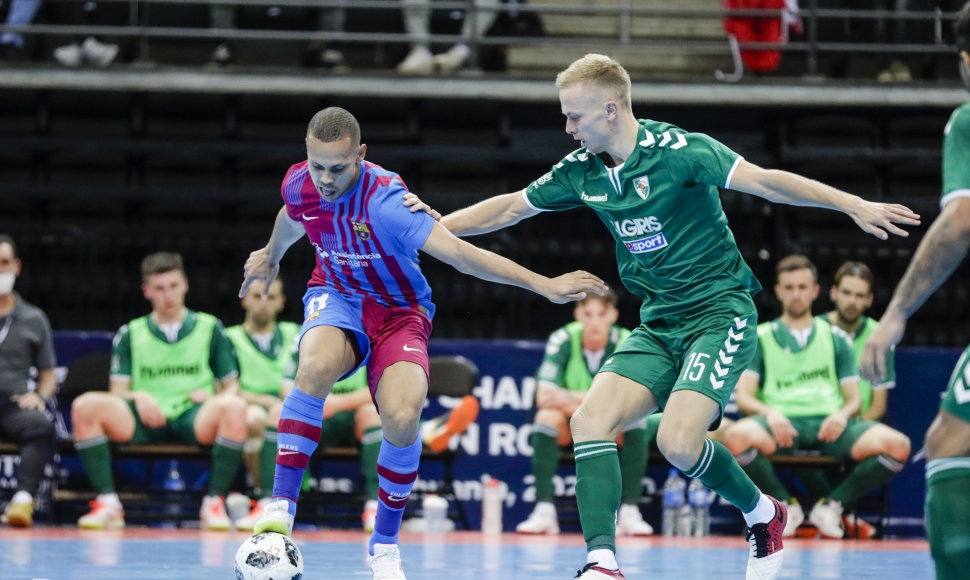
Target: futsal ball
268,556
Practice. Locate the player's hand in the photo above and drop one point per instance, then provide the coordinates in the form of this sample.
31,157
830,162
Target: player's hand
148,410
199,396
832,427
414,203
259,267
872,364
29,401
880,218
781,429
574,286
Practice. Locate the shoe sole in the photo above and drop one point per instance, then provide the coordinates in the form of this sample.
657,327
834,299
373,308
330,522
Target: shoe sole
271,526
461,417
19,522
112,526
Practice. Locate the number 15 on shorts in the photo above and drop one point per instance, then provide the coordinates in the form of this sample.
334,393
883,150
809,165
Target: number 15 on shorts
695,367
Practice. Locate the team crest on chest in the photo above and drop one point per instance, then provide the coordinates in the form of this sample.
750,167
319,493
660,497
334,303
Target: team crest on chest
642,186
362,231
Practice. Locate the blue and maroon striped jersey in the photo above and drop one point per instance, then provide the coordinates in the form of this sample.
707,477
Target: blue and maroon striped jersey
366,242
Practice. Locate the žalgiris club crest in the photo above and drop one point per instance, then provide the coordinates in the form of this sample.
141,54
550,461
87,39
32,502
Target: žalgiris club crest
362,231
642,186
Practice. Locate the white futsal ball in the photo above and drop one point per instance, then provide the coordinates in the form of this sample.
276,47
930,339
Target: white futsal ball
268,556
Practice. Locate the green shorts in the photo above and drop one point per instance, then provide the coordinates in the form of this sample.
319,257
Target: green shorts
807,438
957,397
339,430
180,428
704,351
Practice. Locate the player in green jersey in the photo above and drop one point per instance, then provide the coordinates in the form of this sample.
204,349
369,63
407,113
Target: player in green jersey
801,391
573,355
939,253
264,349
173,376
852,296
655,187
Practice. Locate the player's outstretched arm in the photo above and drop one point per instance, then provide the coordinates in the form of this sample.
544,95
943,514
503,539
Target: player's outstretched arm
264,263
938,255
489,215
486,265
786,187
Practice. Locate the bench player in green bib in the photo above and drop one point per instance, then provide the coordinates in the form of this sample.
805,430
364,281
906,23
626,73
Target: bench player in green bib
938,255
655,188
173,377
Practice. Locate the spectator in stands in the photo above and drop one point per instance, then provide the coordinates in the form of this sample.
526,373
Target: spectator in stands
417,17
852,296
90,51
25,344
351,420
20,13
937,257
264,350
173,377
801,391
574,353
316,54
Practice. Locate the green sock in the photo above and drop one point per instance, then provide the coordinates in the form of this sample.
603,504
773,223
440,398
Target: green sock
762,473
370,447
226,459
545,460
718,470
815,480
633,464
948,516
598,492
267,462
95,456
867,475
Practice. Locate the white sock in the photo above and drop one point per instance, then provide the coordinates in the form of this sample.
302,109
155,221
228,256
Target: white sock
109,499
762,513
605,559
22,497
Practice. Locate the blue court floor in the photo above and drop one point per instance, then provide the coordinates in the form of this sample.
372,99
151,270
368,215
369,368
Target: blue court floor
149,554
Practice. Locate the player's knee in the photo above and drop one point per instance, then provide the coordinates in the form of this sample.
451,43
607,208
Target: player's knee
315,378
84,409
898,446
679,448
400,419
273,415
580,425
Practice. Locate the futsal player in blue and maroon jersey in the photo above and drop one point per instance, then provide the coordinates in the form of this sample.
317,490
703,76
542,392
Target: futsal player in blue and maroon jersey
367,303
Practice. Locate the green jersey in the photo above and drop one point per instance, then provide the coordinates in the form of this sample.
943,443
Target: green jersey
956,155
801,372
565,363
354,382
673,245
262,366
171,369
858,345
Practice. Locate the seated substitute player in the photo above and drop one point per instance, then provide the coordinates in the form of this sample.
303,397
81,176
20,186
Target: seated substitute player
264,350
801,391
852,296
939,253
655,187
173,377
367,303
573,355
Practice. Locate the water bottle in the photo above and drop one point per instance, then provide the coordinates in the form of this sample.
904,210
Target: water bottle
174,487
493,494
435,511
673,501
698,498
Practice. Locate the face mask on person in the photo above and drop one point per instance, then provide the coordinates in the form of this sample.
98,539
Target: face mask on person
6,282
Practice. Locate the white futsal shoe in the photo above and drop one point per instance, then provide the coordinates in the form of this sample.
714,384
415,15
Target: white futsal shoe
542,520
767,553
276,518
629,522
827,517
386,562
796,515
417,62
593,572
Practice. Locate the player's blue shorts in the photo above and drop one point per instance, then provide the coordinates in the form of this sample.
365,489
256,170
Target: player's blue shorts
324,306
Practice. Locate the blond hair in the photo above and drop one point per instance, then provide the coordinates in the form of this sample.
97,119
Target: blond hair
601,70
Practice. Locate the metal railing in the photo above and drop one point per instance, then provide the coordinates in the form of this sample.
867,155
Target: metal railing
139,27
